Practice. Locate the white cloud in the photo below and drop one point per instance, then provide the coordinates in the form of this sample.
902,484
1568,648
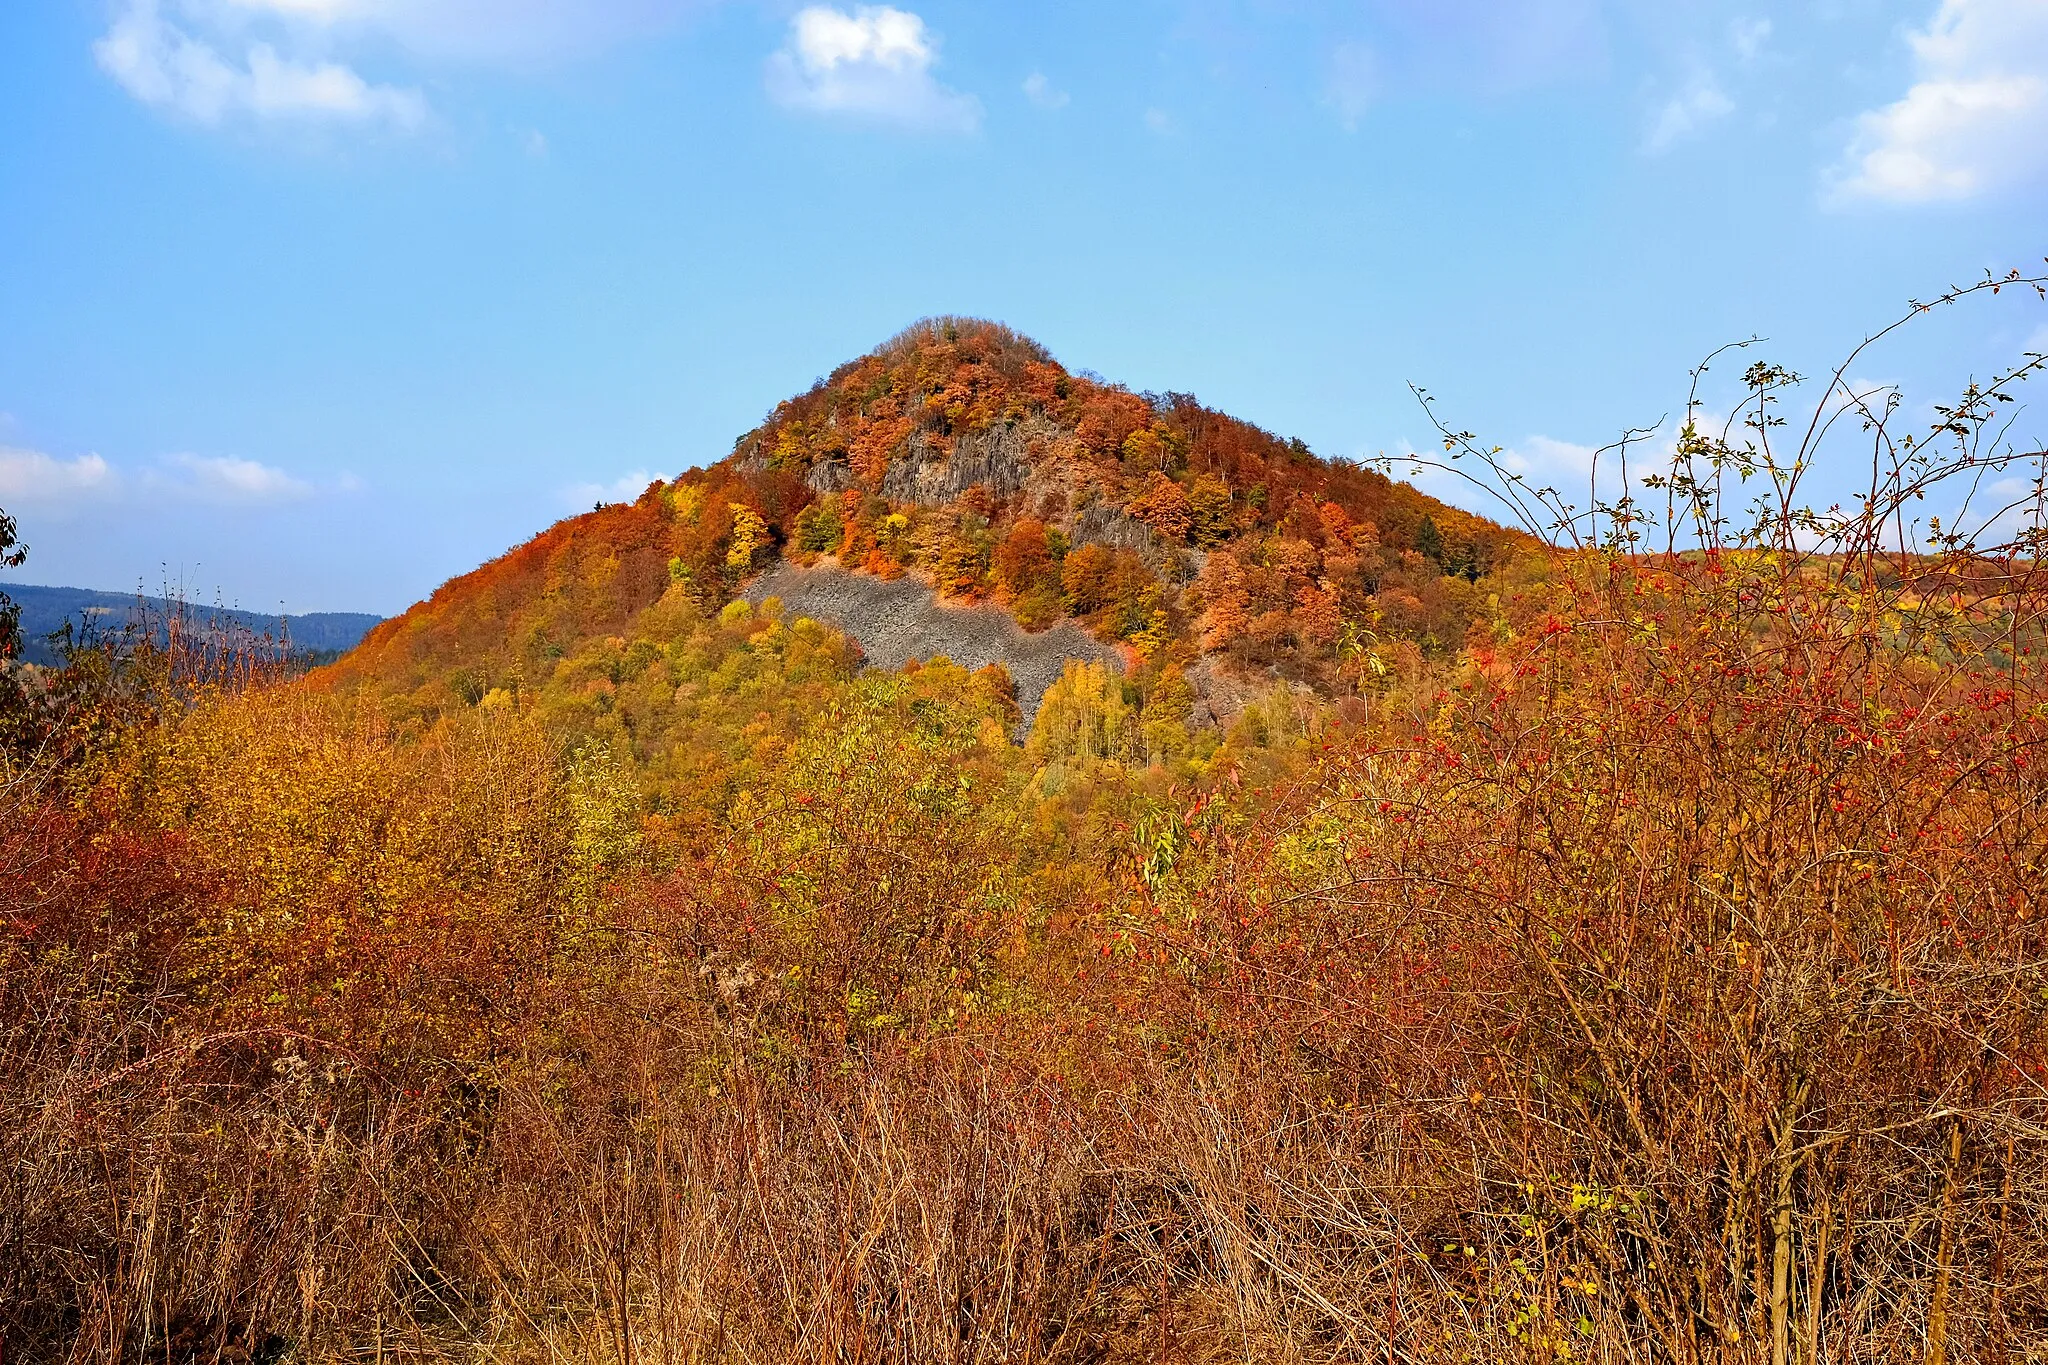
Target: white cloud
1700,103
163,65
31,477
625,488
875,63
2002,511
1749,37
500,32
1042,93
1159,121
1975,118
225,478
325,11
1575,475
217,60
1546,457
1354,83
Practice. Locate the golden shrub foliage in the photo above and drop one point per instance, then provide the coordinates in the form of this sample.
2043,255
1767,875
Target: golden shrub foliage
1658,975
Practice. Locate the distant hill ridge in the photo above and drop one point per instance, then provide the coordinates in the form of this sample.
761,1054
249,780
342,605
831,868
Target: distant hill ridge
45,610
1192,543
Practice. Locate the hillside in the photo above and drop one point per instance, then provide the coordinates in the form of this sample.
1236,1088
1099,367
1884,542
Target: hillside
1657,973
46,610
1201,547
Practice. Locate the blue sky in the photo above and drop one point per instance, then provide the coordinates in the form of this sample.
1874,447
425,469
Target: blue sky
315,303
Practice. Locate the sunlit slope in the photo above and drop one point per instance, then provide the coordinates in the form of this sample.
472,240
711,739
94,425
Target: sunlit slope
1194,543
508,623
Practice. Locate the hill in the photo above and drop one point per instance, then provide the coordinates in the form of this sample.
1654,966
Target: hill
1205,550
45,611
1658,974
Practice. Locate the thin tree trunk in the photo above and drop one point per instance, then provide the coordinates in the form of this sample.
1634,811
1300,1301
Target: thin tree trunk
1781,1228
1816,1283
1998,1259
1937,1313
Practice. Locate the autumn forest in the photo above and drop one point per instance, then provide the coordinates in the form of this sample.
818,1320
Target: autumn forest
1602,926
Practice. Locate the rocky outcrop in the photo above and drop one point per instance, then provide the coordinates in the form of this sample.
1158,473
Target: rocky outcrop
829,476
1102,523
898,621
997,458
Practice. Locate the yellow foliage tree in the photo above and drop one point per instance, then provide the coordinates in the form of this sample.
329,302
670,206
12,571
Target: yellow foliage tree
749,538
1084,716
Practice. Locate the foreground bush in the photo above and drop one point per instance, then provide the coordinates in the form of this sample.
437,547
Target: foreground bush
1662,979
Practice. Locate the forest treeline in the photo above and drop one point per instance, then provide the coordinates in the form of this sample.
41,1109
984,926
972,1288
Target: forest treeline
1649,968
